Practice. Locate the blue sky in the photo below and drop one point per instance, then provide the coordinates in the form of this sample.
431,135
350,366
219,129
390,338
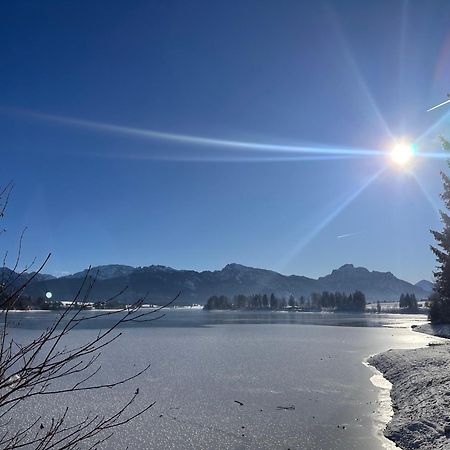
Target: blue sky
335,75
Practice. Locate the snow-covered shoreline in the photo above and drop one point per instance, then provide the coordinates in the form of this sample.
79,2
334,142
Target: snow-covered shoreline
420,392
384,411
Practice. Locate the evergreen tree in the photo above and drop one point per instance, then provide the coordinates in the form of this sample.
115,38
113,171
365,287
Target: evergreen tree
440,307
339,300
291,301
413,306
359,301
273,302
315,300
241,301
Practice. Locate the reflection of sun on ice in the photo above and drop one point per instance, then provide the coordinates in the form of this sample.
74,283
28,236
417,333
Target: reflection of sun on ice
402,153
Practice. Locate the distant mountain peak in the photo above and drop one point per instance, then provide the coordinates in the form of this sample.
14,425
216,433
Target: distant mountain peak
346,267
41,276
160,268
235,266
351,269
105,272
426,285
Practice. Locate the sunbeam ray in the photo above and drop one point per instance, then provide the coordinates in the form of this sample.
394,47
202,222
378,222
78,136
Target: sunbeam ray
401,59
197,140
433,155
356,72
329,218
426,194
444,118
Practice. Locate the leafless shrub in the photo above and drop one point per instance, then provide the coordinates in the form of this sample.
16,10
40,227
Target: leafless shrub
50,365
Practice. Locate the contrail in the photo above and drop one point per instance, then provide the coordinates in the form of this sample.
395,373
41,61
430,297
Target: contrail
342,236
437,106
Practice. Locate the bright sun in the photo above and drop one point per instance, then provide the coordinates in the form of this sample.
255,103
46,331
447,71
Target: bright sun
402,153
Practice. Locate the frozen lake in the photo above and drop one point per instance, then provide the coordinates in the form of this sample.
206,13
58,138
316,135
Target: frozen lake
203,361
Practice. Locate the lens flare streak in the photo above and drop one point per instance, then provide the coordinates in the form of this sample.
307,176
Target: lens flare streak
198,140
444,119
426,194
329,218
349,57
223,159
274,152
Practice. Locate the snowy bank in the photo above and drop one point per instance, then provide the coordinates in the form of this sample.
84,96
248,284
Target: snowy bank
420,395
441,330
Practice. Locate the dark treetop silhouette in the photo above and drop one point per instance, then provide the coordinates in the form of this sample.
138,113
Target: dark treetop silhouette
440,305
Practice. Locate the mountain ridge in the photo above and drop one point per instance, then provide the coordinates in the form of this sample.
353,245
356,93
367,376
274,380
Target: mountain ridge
159,284
426,285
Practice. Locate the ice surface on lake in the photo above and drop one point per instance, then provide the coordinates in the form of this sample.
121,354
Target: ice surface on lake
264,361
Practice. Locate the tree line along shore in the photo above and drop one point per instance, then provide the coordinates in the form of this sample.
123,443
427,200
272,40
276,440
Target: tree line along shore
325,301
334,301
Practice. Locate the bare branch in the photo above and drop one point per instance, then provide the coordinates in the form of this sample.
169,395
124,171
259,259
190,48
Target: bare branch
51,364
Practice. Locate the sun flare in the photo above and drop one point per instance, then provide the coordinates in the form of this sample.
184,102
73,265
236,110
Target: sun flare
402,153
